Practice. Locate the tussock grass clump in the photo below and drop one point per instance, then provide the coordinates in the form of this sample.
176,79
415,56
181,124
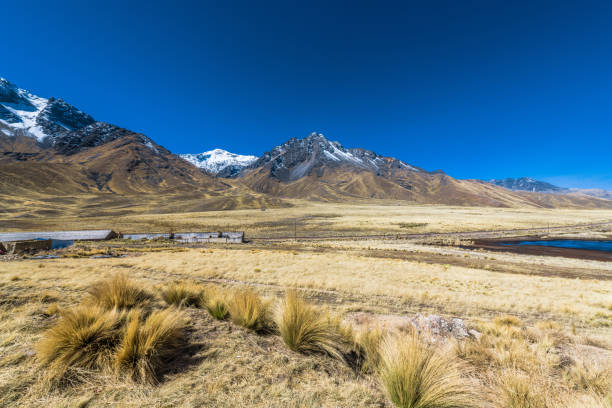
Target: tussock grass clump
307,329
480,353
592,379
215,301
368,343
148,344
118,292
417,376
248,310
52,309
508,320
517,391
183,294
83,338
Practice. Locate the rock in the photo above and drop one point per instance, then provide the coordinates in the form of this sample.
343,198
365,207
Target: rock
475,334
440,327
458,328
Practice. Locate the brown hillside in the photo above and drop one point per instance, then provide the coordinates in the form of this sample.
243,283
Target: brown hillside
346,183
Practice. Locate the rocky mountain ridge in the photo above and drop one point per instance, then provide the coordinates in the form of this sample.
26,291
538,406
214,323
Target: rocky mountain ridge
537,186
48,146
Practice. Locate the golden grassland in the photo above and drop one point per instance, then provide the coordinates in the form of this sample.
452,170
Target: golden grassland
214,325
305,218
553,351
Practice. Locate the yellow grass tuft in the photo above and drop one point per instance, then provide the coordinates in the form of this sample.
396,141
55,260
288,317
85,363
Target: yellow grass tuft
508,320
248,310
307,329
148,344
417,376
82,339
517,391
368,345
118,292
182,293
215,301
52,309
591,379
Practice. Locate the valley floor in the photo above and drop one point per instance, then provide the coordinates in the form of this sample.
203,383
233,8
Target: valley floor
382,278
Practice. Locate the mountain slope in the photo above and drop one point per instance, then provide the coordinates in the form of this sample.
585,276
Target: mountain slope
49,147
316,168
39,135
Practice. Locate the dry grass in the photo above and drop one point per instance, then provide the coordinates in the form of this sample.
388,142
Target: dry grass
118,292
83,339
418,376
149,343
368,343
237,367
308,329
382,217
181,293
455,290
517,391
533,367
247,309
215,301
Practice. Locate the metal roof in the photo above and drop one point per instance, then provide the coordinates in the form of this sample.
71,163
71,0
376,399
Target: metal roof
144,236
90,235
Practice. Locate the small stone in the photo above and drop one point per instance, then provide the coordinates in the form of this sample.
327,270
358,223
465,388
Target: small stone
475,334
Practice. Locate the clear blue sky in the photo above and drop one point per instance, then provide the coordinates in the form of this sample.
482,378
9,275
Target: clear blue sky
479,89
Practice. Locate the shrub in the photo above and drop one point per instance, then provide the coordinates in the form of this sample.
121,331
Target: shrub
307,329
415,376
248,310
83,338
118,292
216,304
183,294
148,344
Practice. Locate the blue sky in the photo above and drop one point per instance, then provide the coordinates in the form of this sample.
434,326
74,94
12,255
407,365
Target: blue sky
479,89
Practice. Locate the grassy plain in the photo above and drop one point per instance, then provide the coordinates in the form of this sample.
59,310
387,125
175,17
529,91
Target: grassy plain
303,218
380,281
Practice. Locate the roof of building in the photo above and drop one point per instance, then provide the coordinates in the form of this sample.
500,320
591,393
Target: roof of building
89,235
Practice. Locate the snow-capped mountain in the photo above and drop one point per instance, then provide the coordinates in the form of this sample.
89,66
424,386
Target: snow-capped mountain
38,134
24,113
55,123
220,162
527,184
537,186
297,157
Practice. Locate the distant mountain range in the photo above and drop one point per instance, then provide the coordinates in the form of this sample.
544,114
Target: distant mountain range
49,147
529,184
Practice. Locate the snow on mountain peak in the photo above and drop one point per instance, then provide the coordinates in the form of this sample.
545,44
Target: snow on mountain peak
25,113
220,162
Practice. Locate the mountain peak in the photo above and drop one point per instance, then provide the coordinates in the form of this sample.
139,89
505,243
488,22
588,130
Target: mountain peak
44,119
527,184
220,162
297,158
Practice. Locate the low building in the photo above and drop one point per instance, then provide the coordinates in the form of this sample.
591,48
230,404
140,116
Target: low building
87,235
219,237
19,247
